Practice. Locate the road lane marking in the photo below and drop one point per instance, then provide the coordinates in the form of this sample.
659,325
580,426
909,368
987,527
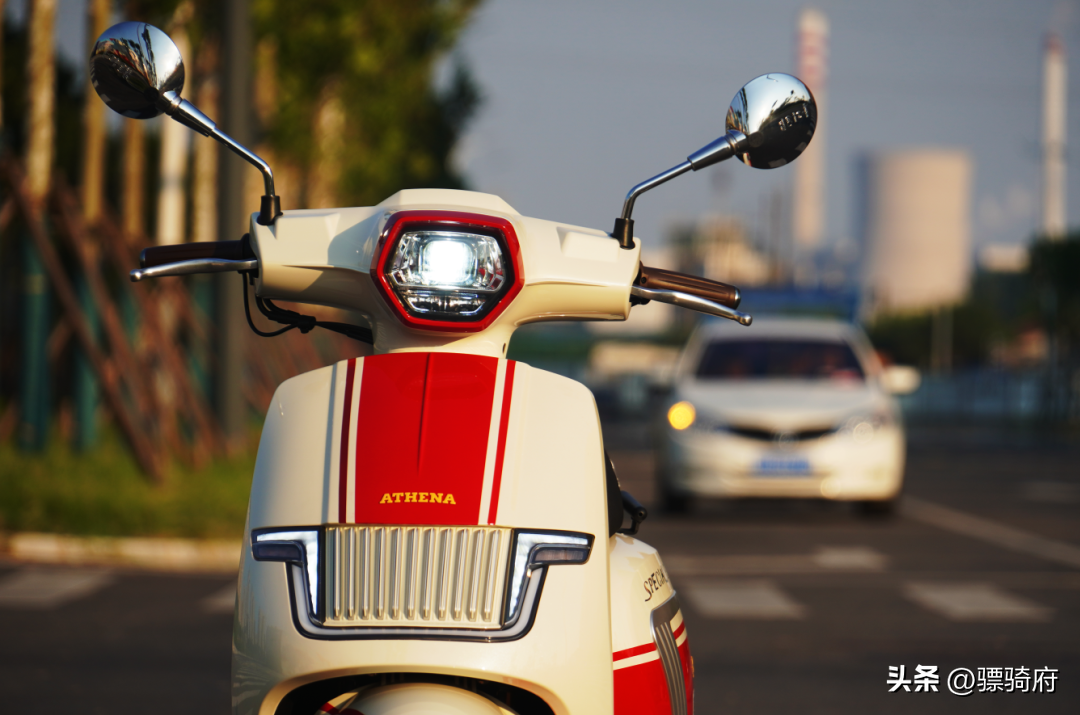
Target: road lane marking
975,602
747,600
42,589
991,532
826,559
1051,492
223,601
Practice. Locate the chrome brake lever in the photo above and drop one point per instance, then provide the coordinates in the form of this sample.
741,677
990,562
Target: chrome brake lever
196,265
693,302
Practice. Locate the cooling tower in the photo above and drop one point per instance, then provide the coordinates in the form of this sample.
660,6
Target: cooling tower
917,228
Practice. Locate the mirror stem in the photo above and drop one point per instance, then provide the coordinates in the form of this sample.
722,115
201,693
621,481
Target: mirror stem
624,225
189,115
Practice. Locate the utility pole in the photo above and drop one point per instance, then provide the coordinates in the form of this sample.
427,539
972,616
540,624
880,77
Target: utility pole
236,105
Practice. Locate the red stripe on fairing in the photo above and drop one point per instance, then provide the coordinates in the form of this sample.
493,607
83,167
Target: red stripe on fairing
678,631
500,450
343,467
641,689
631,652
423,427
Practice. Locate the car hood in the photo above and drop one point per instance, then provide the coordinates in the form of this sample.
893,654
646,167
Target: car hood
782,404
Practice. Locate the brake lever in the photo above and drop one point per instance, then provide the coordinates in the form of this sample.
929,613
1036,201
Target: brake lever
693,302
195,265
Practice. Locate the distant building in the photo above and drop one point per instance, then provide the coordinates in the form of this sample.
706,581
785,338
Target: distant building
916,218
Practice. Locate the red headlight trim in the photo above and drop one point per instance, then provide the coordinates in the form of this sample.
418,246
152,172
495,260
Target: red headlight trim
402,222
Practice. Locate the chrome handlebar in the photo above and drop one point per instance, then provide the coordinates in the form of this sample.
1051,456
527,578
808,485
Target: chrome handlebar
693,302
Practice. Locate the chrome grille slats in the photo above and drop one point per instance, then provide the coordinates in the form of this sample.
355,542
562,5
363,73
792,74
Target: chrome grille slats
415,576
669,657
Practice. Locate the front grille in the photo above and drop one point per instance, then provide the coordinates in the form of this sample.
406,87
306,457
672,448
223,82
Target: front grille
415,576
766,435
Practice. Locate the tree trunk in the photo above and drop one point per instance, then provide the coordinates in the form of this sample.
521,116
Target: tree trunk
41,81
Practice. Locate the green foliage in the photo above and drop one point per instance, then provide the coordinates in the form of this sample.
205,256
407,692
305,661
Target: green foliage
102,492
378,58
1055,276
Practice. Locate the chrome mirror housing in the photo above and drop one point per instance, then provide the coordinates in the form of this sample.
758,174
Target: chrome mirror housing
138,72
133,66
769,123
777,115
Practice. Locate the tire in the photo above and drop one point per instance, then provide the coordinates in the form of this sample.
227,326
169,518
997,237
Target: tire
422,699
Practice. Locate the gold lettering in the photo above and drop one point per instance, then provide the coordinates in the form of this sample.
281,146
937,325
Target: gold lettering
386,499
410,497
397,497
423,497
449,499
435,498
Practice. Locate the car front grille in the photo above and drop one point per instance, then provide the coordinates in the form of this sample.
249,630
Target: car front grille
766,435
416,576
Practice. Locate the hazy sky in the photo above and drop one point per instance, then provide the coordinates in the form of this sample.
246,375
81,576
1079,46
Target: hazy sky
584,99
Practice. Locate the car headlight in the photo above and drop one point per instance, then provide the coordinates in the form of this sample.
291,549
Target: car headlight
681,415
863,426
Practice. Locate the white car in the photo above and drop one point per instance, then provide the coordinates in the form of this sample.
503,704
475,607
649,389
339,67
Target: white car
785,408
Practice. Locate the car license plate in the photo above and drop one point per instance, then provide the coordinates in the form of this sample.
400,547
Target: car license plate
783,466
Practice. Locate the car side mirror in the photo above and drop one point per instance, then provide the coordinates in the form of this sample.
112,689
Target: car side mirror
900,379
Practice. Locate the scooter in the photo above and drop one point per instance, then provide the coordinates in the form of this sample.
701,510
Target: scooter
434,528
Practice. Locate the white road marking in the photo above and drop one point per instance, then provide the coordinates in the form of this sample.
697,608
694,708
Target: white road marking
975,602
1051,492
825,559
749,600
991,532
221,602
42,589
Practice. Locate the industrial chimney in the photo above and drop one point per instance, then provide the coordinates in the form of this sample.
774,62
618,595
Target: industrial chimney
1053,138
808,205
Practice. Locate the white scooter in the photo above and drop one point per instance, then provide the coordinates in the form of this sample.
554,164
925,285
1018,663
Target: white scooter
435,528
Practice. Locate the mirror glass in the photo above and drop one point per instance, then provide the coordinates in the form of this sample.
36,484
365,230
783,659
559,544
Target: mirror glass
132,65
778,115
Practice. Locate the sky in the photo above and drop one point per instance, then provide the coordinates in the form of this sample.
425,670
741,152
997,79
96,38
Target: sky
584,99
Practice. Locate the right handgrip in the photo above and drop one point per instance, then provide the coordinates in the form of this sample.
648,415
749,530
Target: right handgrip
659,279
175,253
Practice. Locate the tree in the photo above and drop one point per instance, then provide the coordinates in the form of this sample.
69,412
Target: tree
368,67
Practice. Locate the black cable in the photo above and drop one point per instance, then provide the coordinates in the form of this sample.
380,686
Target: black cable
305,323
251,323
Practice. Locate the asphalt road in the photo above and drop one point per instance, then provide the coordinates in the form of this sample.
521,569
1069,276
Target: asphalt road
791,607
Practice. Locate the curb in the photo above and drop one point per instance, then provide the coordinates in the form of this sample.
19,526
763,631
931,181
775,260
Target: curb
155,554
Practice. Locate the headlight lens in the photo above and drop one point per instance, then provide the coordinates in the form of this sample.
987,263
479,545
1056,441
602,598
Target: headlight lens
447,270
863,427
681,415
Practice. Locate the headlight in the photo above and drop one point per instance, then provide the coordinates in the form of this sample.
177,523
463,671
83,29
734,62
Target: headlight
447,270
681,415
863,427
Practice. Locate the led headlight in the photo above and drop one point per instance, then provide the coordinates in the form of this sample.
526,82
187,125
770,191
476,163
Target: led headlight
863,427
447,270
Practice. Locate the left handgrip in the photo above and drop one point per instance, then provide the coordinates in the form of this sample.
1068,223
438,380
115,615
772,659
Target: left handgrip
227,250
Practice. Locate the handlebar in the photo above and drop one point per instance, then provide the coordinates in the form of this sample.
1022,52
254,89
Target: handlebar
700,294
715,291
227,250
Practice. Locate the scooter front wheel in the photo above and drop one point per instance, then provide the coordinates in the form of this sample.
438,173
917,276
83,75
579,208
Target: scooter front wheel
417,699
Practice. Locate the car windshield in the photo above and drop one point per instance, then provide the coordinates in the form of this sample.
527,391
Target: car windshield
779,358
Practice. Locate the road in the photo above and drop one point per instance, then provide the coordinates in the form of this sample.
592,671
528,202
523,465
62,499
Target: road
791,607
